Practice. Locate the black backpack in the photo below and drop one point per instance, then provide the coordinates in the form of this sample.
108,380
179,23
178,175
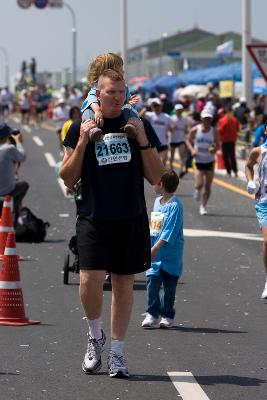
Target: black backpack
30,229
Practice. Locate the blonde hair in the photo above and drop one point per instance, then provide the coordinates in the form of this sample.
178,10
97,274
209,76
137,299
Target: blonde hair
112,74
100,64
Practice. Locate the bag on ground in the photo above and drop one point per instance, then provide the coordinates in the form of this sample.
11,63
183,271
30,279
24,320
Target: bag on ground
29,228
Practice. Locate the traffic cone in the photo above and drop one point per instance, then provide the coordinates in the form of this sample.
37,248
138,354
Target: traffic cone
7,224
219,160
11,298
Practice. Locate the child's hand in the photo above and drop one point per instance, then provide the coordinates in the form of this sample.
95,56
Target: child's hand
133,99
99,118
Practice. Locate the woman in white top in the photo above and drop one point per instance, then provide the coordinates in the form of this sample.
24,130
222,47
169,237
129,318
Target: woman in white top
206,142
177,140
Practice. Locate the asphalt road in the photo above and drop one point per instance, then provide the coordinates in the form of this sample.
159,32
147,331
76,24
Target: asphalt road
220,323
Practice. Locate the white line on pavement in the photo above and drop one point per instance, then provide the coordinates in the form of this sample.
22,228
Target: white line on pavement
230,235
187,386
27,128
17,120
38,141
62,186
50,159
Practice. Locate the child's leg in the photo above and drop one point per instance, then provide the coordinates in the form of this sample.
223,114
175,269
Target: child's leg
168,295
95,133
131,117
153,287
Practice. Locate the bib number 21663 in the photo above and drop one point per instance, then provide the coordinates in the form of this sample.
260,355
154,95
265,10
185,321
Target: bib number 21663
113,149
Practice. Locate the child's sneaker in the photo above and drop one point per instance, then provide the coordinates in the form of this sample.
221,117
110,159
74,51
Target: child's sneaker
95,134
130,131
150,321
166,322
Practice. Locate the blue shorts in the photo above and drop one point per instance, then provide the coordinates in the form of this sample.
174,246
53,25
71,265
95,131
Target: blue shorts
261,214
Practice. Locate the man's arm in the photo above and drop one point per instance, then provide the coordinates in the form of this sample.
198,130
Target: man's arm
251,162
152,165
71,168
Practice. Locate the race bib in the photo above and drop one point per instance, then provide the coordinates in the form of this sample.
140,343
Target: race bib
156,223
113,149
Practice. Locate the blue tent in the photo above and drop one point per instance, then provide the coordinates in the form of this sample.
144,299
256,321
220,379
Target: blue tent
201,76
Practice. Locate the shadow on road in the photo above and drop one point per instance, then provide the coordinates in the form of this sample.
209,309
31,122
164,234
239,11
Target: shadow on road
229,380
203,330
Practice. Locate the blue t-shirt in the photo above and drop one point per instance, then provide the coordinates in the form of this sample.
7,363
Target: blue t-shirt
259,136
167,225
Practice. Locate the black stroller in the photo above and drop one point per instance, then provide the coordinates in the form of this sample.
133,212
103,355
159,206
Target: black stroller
68,267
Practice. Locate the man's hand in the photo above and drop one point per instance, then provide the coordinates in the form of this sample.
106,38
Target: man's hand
99,118
251,187
85,128
18,138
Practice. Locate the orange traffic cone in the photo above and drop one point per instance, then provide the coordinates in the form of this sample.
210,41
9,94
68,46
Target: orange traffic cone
6,225
219,160
11,298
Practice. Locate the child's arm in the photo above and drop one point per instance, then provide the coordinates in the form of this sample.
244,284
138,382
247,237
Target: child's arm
156,247
92,102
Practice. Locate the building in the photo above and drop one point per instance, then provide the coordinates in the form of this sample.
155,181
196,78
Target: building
175,53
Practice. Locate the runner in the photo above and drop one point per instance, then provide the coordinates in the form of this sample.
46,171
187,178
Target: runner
162,124
205,139
258,155
112,225
178,138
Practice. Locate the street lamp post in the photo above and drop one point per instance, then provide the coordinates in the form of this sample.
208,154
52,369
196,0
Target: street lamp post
3,50
246,62
74,42
161,49
124,36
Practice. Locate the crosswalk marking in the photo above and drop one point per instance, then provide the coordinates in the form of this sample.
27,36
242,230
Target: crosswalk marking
38,141
187,386
50,159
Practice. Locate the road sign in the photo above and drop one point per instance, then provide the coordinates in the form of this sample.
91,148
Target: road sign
259,54
40,3
24,3
55,3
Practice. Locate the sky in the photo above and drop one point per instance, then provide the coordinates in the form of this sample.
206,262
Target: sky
46,34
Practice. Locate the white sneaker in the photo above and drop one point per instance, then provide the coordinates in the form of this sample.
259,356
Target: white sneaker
197,195
264,293
92,359
117,367
202,210
150,321
166,322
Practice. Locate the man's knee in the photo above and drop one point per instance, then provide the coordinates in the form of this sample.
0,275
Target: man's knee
91,279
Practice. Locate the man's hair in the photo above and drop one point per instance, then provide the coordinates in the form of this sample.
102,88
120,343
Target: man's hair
170,181
113,75
102,63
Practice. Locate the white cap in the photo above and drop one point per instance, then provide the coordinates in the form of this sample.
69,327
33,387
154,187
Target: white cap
61,100
155,100
206,114
178,107
242,100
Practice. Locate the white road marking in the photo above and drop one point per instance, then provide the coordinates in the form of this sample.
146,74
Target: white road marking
62,186
17,120
27,128
187,386
38,141
50,159
64,215
230,235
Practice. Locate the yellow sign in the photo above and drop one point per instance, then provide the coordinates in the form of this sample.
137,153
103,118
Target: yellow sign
226,88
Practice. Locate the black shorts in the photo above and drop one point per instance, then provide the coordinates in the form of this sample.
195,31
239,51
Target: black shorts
205,166
122,247
162,148
177,144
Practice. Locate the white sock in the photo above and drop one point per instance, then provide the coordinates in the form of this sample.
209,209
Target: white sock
117,347
94,328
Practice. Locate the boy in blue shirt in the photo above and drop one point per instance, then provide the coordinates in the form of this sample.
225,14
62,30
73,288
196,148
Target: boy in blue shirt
167,243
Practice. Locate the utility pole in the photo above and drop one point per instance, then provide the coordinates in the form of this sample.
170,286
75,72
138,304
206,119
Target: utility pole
246,62
124,34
